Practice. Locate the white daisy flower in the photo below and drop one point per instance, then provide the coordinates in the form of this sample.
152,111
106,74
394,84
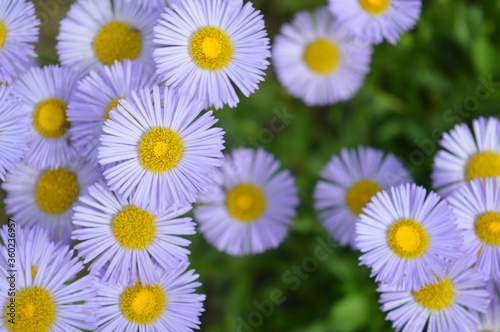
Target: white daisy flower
102,31
47,196
318,61
160,149
251,205
128,235
167,306
348,183
467,155
207,46
96,95
19,29
46,93
376,20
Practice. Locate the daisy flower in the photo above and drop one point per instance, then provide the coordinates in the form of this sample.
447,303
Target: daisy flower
19,29
317,61
160,149
168,305
467,155
490,321
204,47
45,295
129,235
47,196
408,237
46,93
102,31
250,206
376,20
450,303
348,183
477,207
98,93
13,140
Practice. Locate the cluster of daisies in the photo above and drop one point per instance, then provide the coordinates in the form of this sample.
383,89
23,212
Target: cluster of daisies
435,256
103,156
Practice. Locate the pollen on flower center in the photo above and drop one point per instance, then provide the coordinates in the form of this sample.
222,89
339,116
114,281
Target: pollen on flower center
408,239
117,41
34,271
483,165
143,304
49,118
488,228
360,194
160,149
110,106
3,34
56,190
246,202
134,228
35,310
322,56
211,48
436,296
375,6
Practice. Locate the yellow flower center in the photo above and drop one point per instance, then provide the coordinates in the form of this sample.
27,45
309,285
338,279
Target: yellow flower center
35,311
110,106
375,7
436,296
117,41
360,194
211,48
143,304
322,56
3,34
483,165
56,190
246,202
49,118
160,149
488,228
408,239
134,228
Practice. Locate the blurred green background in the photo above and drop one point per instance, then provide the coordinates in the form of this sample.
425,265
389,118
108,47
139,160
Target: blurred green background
409,98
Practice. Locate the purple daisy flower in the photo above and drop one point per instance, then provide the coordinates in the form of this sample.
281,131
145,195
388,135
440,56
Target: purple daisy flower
348,182
408,237
160,149
98,32
467,155
168,305
19,29
13,122
477,206
450,303
318,61
46,197
128,235
47,295
96,95
207,46
251,205
375,20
